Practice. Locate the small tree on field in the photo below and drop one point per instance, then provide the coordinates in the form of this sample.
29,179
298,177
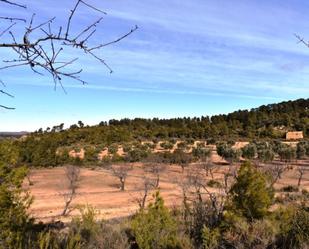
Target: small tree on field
72,174
228,153
91,154
251,194
301,171
156,166
136,155
275,171
201,153
208,167
121,171
167,145
266,155
249,151
181,158
301,150
148,185
287,153
112,149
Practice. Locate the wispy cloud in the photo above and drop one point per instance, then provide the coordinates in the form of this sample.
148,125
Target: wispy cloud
221,49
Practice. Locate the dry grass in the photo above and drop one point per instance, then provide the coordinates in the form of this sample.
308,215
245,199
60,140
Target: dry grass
100,188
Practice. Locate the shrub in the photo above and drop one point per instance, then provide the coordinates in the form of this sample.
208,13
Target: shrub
15,224
190,141
136,155
210,238
112,149
242,233
84,232
266,155
251,195
182,145
91,154
172,140
127,147
214,184
155,227
287,153
290,188
167,145
249,151
201,152
302,149
293,226
211,141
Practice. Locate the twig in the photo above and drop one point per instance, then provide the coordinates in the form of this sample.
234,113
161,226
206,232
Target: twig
42,53
15,4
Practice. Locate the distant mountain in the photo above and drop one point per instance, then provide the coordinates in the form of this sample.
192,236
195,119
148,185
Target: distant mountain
7,134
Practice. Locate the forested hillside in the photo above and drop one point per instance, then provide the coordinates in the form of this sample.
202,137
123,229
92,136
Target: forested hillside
270,121
264,123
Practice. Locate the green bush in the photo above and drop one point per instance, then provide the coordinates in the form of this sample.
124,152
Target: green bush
167,145
210,237
155,227
251,194
293,227
15,223
249,151
201,153
112,149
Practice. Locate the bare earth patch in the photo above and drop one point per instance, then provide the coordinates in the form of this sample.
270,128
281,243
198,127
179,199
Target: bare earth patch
101,189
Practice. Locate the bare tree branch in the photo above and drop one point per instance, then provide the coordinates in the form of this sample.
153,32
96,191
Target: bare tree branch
11,19
42,53
13,3
7,107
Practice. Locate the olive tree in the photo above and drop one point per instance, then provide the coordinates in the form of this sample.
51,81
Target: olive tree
121,172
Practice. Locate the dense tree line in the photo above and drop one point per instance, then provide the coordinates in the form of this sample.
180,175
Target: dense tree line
271,121
265,122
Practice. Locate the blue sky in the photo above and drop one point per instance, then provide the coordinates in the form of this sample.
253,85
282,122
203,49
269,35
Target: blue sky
188,58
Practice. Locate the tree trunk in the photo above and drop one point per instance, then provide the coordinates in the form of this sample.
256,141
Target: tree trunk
158,181
211,174
144,200
299,179
122,182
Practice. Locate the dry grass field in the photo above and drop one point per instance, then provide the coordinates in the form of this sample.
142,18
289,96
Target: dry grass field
99,188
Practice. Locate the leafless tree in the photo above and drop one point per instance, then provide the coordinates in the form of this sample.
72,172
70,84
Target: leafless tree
196,180
301,171
121,171
148,185
211,201
72,174
276,172
184,183
209,167
155,166
42,44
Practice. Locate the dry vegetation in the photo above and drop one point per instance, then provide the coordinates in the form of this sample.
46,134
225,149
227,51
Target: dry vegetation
101,187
